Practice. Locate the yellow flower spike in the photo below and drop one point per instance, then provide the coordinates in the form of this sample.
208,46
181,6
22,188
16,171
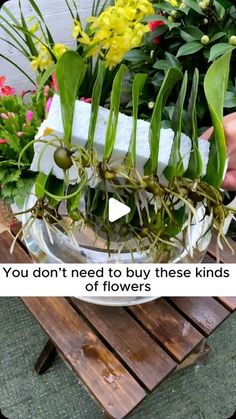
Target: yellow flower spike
43,49
117,30
35,64
58,50
34,28
84,38
76,29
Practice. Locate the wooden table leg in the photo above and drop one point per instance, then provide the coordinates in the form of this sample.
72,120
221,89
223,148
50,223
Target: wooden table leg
46,357
199,353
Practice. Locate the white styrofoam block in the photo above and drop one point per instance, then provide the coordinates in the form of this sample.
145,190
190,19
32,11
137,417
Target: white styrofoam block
124,131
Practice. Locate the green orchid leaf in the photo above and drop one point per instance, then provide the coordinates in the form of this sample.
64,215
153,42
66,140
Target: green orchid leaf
55,186
172,76
175,166
195,166
18,68
96,97
40,184
137,87
44,78
174,227
114,113
12,25
37,10
28,37
73,201
70,73
215,86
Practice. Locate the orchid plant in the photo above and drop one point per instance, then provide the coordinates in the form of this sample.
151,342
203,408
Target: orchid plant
159,211
113,29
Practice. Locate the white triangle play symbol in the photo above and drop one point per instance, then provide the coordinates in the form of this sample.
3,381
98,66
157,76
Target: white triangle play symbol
117,209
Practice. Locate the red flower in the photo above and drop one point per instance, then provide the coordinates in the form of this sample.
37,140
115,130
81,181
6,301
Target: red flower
5,90
3,141
86,99
153,25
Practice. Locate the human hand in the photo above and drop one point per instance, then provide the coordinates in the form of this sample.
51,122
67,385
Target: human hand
229,182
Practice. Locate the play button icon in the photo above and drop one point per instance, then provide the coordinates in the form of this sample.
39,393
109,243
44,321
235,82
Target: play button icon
116,210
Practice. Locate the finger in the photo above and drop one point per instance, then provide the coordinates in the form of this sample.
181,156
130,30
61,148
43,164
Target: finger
230,181
207,134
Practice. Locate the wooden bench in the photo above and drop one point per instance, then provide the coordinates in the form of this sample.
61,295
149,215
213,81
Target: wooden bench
122,354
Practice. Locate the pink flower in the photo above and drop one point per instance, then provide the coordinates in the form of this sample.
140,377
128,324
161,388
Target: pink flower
3,141
86,99
6,90
19,134
4,115
29,116
46,90
153,25
48,105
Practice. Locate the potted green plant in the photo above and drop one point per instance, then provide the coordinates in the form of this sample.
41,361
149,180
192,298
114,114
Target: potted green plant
86,154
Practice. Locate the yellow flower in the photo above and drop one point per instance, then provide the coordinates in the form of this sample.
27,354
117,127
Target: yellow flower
35,64
76,29
118,29
43,61
47,131
34,28
58,50
84,38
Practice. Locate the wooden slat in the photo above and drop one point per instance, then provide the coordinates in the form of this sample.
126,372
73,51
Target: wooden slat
228,302
226,255
147,360
104,376
208,259
18,256
205,312
171,329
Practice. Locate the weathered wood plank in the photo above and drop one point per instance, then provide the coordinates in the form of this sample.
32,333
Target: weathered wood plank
147,360
228,302
18,256
102,374
171,329
205,312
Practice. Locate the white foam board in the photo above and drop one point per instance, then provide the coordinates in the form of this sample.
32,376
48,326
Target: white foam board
46,162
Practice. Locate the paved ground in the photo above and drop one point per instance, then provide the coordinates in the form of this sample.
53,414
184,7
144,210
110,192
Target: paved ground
205,391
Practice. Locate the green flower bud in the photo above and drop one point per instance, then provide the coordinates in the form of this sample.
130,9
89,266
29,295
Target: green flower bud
203,5
175,14
151,105
232,40
170,18
205,21
205,40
